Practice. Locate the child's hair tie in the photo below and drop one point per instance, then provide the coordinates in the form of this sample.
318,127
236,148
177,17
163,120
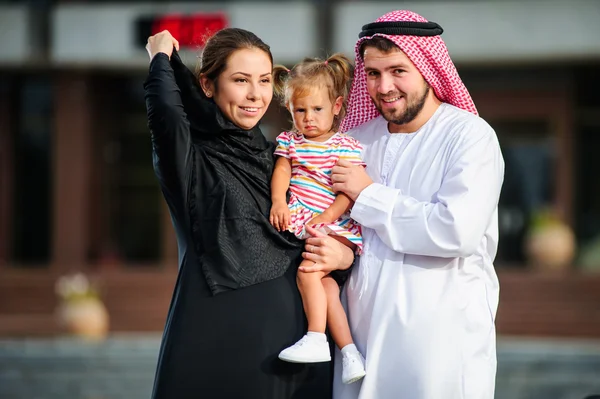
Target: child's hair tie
326,62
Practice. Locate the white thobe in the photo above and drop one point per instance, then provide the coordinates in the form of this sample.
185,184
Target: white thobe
422,300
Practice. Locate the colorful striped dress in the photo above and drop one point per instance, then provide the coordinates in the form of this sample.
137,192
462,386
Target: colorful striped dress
311,187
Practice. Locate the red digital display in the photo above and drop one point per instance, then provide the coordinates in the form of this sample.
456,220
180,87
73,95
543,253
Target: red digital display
189,30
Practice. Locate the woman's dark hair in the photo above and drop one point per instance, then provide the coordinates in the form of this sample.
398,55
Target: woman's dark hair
218,48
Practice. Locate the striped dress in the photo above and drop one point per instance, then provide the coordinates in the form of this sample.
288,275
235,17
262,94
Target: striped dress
311,187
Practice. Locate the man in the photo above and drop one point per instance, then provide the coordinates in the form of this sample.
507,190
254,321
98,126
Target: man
423,299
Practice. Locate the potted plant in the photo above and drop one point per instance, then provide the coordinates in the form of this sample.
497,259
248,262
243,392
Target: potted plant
589,256
81,311
550,243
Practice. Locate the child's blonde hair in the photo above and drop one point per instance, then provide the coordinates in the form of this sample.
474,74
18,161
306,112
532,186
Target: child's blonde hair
334,73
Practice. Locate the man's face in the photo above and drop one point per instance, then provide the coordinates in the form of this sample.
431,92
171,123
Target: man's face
395,85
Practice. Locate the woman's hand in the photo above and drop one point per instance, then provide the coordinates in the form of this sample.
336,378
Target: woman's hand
328,253
162,42
280,216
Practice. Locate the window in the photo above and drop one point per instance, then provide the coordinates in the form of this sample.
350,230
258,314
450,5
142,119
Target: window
528,150
529,108
587,205
31,166
130,205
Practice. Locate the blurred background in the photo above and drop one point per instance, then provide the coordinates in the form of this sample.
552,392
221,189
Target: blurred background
88,257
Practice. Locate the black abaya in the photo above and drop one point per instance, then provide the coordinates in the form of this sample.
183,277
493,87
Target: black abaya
235,303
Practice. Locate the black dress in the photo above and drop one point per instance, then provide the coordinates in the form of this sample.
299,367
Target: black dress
235,305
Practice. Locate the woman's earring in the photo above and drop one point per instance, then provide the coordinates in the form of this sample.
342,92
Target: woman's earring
208,94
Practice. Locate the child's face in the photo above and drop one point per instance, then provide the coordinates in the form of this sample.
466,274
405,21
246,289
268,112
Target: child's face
313,114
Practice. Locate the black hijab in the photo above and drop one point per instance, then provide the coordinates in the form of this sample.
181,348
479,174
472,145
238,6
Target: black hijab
230,197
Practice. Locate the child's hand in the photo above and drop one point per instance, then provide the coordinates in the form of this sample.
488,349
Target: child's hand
322,218
280,216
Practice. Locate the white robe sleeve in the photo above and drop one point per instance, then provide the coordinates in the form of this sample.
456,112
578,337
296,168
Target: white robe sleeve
453,224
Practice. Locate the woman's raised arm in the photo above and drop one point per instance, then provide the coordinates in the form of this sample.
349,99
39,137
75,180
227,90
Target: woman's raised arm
166,115
167,120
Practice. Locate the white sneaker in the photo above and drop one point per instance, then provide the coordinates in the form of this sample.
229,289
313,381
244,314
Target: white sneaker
353,367
307,350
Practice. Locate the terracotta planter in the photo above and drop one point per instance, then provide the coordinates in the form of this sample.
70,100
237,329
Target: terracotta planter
85,318
551,247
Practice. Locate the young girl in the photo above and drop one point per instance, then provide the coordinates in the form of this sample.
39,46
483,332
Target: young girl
314,92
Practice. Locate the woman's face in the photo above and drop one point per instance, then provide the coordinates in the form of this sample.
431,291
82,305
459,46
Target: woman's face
244,89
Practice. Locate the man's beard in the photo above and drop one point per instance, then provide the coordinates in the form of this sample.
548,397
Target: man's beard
413,108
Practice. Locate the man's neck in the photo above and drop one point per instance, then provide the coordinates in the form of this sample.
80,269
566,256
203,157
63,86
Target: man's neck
431,105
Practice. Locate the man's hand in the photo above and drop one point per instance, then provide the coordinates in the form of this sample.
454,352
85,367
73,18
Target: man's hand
162,42
349,179
328,253
280,216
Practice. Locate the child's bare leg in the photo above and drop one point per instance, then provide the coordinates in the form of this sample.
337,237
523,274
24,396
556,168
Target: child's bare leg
353,363
314,298
312,347
336,316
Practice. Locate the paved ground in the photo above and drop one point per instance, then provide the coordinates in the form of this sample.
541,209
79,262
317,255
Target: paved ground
123,368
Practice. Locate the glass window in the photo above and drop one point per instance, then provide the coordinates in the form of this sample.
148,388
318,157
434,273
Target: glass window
31,203
514,102
528,150
587,166
130,199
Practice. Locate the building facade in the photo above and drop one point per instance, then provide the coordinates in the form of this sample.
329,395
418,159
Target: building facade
78,193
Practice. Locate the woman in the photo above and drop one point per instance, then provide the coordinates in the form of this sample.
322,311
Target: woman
235,304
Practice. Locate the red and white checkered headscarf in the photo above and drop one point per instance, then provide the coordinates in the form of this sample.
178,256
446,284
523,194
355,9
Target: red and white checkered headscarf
429,55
